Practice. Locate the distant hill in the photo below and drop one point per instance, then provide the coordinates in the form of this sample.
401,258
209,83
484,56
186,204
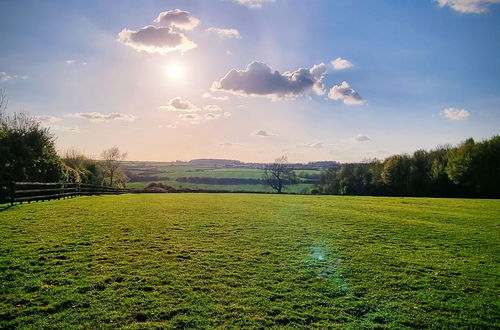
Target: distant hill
214,162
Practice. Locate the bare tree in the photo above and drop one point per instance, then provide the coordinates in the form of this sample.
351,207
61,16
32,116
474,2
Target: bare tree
278,175
110,163
3,102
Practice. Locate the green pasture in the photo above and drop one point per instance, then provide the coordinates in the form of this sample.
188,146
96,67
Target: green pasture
250,260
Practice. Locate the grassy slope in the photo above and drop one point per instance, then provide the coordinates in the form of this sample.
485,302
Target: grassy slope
179,171
198,260
296,188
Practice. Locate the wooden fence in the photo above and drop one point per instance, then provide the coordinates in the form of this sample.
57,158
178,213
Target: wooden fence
19,192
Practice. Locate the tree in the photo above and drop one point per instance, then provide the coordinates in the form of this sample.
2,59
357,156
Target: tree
27,150
3,102
278,175
110,163
81,168
396,173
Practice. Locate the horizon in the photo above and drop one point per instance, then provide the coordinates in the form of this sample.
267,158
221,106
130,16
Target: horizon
232,79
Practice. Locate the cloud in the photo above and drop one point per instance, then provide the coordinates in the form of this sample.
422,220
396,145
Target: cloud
258,79
47,119
346,93
97,116
225,33
317,145
178,104
212,108
455,114
262,133
152,39
178,18
192,118
252,3
214,97
227,114
74,61
468,6
362,138
4,76
209,116
171,125
54,123
341,64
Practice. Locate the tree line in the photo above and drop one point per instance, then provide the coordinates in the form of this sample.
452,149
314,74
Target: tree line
471,169
28,154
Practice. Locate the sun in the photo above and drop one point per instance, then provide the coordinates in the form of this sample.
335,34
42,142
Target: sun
175,71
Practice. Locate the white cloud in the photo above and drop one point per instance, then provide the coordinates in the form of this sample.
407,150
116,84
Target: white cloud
225,33
252,3
258,79
208,95
262,133
317,145
341,64
4,76
468,6
152,39
345,93
362,138
47,119
227,114
178,18
53,122
178,104
209,116
192,118
97,116
212,108
455,114
74,61
171,125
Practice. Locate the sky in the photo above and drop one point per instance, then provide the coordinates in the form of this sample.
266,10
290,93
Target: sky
343,80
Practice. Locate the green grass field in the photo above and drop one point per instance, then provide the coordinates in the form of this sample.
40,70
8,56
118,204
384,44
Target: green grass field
293,189
243,260
167,174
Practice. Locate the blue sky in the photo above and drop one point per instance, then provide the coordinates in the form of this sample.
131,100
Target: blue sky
417,74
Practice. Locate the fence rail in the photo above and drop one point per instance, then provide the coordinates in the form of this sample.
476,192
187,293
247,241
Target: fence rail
19,192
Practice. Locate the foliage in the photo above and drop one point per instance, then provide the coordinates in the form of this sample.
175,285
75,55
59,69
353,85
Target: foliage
250,261
113,175
468,170
81,169
27,150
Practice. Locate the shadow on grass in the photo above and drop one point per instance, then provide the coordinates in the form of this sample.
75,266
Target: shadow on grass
5,207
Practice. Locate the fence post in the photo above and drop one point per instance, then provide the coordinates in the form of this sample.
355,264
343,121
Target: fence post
12,192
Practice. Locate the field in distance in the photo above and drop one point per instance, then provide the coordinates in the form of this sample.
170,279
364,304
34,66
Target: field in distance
246,260
221,175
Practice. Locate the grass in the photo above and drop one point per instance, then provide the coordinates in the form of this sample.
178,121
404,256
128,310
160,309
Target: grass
242,260
169,173
296,188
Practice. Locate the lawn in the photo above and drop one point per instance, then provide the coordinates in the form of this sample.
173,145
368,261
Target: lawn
246,260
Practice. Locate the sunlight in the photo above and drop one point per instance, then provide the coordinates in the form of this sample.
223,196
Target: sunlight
175,71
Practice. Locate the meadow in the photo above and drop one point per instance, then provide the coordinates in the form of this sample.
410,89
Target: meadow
175,175
250,260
